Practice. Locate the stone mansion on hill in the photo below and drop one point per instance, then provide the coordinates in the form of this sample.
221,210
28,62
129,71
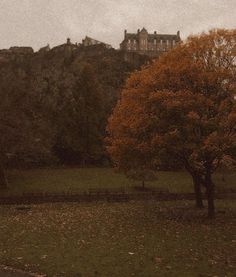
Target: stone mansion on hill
149,44
152,45
141,43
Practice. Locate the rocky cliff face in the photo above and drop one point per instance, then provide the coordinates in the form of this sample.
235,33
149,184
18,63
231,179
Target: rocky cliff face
112,66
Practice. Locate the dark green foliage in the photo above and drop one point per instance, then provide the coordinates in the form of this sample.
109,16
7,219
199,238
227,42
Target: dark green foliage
65,96
80,118
24,129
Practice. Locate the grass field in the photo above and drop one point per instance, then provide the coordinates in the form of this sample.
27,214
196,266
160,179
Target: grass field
130,239
81,179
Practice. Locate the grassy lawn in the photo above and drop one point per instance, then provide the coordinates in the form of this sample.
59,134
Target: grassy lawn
129,239
81,179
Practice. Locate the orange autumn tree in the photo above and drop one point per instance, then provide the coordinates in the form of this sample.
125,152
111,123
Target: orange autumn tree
180,107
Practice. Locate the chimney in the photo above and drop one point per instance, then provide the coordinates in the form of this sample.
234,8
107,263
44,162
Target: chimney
125,33
68,41
138,31
178,33
155,32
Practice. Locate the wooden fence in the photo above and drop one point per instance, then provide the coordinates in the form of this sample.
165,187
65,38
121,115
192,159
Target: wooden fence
101,195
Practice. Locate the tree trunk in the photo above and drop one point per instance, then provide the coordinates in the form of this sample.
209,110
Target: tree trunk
87,142
3,179
210,191
143,184
198,192
197,184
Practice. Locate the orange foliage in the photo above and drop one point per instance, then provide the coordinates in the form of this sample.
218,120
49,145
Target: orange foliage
180,106
202,71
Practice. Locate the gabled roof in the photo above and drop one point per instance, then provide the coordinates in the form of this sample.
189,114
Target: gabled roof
144,30
151,37
131,36
163,37
92,39
89,38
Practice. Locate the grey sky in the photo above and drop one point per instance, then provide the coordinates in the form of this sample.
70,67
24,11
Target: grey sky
38,22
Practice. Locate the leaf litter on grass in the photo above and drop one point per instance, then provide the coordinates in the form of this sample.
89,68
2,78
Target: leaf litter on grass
145,238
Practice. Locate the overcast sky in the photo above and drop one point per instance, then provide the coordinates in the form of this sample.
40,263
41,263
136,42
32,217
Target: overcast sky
38,22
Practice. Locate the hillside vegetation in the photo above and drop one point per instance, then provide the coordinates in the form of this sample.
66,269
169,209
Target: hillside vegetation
62,99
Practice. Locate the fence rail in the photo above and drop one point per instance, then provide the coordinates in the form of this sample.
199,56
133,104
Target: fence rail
98,195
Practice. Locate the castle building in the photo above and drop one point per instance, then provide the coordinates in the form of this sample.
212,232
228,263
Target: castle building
152,45
91,41
67,47
44,49
21,50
